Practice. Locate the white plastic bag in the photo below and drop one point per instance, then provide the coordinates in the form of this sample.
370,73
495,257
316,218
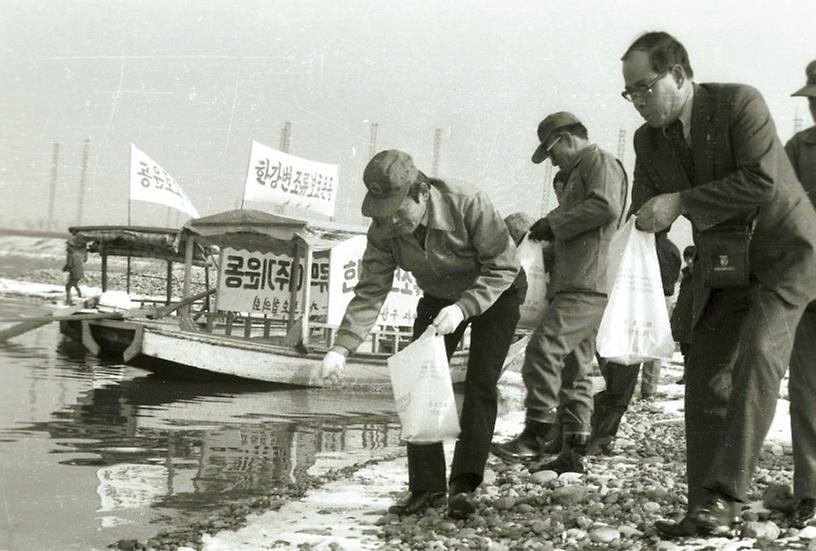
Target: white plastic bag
531,258
635,325
423,390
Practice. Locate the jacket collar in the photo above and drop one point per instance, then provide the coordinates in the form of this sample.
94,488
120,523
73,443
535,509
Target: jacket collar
588,151
440,216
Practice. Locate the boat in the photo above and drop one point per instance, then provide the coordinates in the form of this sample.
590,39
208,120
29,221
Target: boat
240,336
115,337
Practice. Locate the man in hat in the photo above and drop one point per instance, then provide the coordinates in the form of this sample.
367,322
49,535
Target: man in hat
801,150
456,245
591,191
710,152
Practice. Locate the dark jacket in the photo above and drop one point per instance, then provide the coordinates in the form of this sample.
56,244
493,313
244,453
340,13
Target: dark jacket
801,150
740,166
591,200
682,313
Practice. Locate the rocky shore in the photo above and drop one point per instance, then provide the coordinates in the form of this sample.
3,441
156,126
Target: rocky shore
614,506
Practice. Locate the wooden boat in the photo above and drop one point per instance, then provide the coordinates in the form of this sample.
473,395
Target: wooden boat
205,341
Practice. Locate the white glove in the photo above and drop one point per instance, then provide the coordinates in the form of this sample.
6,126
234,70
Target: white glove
333,367
448,319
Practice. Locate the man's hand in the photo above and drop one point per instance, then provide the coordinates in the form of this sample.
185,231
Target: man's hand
448,319
659,212
333,367
541,230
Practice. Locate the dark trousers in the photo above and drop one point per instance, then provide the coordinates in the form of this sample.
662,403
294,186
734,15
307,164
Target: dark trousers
802,394
558,361
490,336
740,351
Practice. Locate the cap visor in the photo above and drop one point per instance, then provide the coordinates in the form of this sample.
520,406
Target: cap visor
808,91
373,206
540,154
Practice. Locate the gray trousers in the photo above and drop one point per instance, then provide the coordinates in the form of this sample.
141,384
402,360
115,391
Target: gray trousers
739,353
558,362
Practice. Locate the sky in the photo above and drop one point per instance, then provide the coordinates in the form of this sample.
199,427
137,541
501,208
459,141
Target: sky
193,83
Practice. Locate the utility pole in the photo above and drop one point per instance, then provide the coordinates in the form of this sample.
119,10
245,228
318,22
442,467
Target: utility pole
621,144
286,137
437,146
797,122
548,189
53,191
85,148
372,140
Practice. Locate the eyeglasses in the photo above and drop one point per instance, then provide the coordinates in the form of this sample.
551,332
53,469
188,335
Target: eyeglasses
643,89
549,147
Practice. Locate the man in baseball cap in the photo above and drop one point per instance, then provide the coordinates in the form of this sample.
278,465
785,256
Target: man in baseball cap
591,191
458,248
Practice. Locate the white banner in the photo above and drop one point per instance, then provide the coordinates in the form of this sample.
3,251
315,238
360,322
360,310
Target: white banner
345,266
151,183
281,179
259,283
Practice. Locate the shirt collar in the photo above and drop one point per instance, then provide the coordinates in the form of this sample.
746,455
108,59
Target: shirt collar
439,216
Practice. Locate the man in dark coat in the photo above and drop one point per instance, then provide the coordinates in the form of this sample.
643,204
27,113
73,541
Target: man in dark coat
710,152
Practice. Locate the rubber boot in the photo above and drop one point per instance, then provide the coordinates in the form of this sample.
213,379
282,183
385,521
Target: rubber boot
570,460
526,446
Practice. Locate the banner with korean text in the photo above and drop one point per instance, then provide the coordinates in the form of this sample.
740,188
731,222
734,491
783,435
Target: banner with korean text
286,180
151,183
345,265
259,283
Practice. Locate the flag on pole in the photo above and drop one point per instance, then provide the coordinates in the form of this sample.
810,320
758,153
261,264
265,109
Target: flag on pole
286,180
151,183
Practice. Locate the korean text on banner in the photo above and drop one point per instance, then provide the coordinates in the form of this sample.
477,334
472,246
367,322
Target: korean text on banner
346,263
423,390
151,183
281,179
259,283
635,325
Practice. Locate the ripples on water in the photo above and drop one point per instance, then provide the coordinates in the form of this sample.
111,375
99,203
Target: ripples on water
93,452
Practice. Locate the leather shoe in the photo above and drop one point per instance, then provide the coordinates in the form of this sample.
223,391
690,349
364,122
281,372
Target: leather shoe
416,502
804,512
460,506
715,517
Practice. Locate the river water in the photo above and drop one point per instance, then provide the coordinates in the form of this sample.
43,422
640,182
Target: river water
93,452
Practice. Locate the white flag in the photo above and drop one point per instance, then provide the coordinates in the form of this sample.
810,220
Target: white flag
151,183
282,179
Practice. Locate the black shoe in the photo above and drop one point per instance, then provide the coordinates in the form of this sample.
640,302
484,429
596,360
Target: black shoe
670,530
417,502
601,446
717,516
460,506
804,512
524,447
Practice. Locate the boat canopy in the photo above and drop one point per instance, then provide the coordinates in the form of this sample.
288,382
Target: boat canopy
137,241
258,231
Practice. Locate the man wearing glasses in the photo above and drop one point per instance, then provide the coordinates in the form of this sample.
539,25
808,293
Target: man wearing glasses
591,191
710,152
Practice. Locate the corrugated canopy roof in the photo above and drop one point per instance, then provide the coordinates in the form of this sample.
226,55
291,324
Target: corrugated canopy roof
255,230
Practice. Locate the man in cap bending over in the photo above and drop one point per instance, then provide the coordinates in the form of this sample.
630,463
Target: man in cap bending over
456,245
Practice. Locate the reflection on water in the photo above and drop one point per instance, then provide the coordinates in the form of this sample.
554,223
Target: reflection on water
108,452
